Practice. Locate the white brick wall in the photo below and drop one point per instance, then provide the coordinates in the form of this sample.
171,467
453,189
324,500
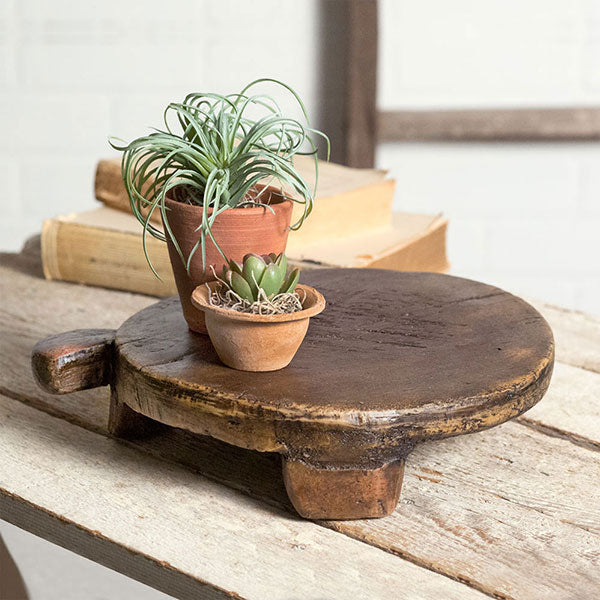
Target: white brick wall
522,216
472,53
73,73
525,216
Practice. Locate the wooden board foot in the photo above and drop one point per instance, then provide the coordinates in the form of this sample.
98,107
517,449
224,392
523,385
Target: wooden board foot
330,493
126,423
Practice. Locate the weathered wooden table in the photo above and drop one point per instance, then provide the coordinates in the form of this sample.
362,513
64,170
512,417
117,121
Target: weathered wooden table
512,512
398,359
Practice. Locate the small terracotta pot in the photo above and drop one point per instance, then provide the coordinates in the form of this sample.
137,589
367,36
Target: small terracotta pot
250,342
238,231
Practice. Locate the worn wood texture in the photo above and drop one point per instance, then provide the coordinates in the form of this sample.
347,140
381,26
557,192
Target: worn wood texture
74,361
372,492
517,527
390,363
512,509
125,423
578,335
571,407
178,531
344,407
489,125
361,83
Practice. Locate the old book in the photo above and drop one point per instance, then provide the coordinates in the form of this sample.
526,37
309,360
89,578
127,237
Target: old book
104,247
348,202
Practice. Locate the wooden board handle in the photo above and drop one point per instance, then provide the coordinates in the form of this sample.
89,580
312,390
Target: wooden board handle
74,361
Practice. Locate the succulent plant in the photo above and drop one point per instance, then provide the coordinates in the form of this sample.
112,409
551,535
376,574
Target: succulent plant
267,273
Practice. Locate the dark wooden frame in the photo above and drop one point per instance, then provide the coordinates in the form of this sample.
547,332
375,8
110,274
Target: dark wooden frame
366,126
361,84
490,125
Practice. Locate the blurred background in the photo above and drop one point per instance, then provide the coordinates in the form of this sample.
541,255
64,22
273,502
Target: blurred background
523,207
524,215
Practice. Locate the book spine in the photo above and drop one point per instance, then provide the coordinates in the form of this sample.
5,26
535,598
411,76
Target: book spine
49,249
110,190
334,216
112,259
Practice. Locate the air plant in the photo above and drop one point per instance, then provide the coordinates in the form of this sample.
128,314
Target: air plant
260,284
213,156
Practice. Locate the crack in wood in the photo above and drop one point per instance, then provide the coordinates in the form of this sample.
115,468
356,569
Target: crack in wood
551,431
430,566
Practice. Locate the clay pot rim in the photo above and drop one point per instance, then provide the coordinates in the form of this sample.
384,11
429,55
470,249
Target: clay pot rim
279,201
314,304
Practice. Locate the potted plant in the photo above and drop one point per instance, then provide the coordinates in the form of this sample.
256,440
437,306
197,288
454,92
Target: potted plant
209,172
256,313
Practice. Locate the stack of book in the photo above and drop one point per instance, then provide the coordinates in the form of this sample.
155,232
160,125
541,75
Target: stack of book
352,225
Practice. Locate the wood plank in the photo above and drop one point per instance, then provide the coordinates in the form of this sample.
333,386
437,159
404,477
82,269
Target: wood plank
516,511
65,306
577,335
178,531
489,125
571,407
361,83
496,499
258,474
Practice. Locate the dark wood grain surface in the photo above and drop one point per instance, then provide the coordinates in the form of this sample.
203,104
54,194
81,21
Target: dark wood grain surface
388,346
395,359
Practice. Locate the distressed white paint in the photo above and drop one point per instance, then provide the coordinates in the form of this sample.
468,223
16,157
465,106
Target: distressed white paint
216,537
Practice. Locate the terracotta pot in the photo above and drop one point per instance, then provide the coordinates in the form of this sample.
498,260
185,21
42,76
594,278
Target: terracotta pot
238,231
250,342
